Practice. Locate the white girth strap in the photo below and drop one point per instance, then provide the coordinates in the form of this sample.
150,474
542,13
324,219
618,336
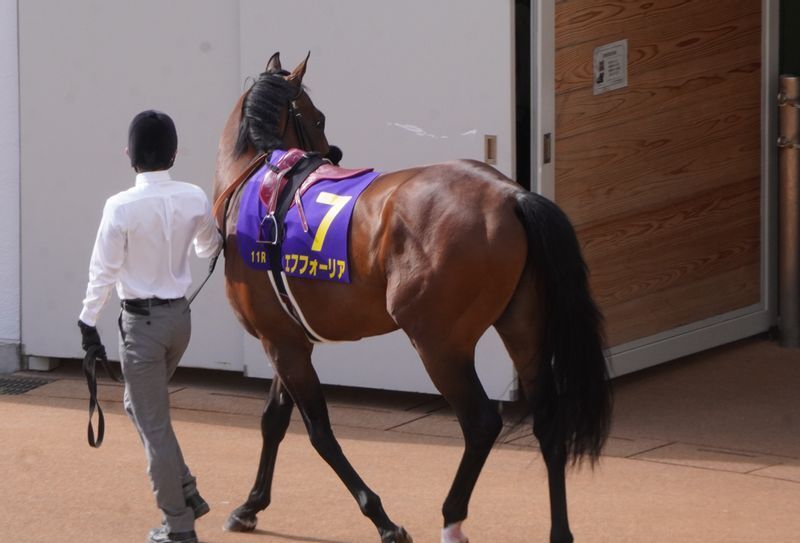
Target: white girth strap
312,334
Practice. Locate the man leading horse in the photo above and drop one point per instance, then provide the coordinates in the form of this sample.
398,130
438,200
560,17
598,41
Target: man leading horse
142,248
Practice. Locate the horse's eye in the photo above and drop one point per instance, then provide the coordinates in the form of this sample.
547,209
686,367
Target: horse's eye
321,122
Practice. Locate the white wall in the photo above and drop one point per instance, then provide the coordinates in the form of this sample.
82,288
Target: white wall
9,188
401,83
87,67
377,69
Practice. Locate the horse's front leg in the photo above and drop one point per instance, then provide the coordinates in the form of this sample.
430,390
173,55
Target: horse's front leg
302,382
274,422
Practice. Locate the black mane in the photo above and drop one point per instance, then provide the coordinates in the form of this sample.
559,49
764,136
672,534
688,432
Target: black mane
267,99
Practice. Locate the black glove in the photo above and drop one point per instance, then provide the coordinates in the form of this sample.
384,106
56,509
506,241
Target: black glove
90,338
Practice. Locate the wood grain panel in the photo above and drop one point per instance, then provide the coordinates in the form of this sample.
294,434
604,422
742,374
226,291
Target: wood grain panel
654,252
584,20
688,303
674,88
580,21
645,164
655,45
662,178
732,204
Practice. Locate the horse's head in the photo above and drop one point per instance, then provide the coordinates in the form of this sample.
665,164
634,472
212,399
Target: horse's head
276,112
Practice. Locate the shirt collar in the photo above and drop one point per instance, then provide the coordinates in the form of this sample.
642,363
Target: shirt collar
148,178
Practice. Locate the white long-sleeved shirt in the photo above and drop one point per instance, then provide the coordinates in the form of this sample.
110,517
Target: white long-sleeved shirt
144,240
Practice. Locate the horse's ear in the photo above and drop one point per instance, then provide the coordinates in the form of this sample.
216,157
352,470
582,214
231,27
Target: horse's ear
297,74
274,64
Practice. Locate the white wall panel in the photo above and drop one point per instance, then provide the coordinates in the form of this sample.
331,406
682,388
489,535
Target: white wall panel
401,83
87,67
9,188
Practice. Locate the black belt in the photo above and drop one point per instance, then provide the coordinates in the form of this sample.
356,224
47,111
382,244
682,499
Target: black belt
142,306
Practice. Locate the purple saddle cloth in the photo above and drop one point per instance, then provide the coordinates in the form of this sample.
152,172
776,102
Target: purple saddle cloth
320,253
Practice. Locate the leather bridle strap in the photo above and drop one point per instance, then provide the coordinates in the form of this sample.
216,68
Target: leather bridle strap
299,130
89,370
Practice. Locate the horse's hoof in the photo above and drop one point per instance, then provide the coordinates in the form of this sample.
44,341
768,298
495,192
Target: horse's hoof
398,536
453,534
240,523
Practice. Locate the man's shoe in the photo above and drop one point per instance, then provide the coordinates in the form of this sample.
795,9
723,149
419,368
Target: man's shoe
198,505
161,535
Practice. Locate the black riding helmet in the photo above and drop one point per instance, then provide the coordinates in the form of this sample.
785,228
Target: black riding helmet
152,141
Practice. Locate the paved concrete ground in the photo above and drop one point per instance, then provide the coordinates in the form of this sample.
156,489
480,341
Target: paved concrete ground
706,449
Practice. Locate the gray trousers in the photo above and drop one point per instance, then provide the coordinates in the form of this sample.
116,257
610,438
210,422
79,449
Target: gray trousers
150,348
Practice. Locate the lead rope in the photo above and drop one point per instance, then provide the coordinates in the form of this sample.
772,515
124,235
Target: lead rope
211,265
90,371
228,196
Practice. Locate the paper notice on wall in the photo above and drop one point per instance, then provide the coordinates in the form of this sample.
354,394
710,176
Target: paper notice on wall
611,66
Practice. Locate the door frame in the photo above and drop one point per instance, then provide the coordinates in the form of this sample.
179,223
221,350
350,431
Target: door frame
714,331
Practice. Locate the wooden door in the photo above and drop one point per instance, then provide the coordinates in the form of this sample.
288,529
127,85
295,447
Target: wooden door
663,178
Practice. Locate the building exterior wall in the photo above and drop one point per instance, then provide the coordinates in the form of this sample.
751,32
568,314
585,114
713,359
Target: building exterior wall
9,189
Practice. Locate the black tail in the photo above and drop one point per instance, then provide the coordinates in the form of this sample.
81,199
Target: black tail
574,392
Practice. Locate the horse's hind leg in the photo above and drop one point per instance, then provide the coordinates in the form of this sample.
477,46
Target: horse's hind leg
455,377
274,423
555,458
519,328
300,379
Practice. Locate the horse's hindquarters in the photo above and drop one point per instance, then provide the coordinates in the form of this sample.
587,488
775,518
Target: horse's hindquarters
453,250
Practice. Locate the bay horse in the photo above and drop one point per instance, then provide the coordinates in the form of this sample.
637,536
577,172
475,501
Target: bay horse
442,252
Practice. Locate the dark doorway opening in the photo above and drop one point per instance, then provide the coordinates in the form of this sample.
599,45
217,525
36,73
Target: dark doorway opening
790,37
522,61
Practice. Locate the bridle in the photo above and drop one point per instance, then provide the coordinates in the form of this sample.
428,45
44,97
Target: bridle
334,153
294,115
297,120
